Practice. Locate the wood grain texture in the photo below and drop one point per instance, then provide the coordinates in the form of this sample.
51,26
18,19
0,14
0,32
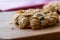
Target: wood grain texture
8,30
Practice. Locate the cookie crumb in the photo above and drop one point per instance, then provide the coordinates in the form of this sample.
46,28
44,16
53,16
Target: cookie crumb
12,28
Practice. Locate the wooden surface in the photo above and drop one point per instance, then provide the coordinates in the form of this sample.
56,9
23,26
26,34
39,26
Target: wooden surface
8,30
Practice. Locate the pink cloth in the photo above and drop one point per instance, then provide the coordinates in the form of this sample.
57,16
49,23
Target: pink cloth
7,5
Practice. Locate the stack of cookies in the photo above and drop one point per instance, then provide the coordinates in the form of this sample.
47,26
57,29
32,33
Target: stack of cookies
38,18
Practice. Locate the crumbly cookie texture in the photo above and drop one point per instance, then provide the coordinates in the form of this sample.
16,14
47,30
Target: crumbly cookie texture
52,6
35,18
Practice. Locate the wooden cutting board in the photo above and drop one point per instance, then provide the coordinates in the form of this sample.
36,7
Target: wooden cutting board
8,30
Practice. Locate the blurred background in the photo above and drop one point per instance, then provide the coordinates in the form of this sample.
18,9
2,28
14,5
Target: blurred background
17,4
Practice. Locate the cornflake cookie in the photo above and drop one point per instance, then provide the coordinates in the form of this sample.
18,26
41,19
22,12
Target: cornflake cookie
35,18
